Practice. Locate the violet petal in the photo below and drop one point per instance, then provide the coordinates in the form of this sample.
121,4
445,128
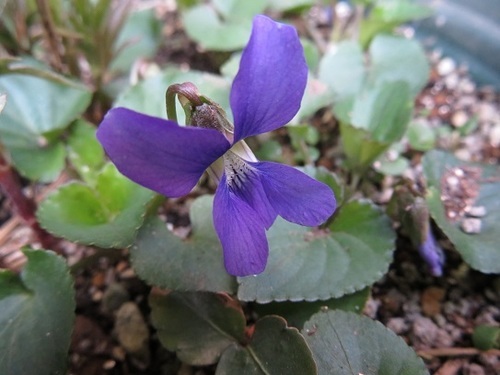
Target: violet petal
157,153
294,195
268,89
241,232
432,253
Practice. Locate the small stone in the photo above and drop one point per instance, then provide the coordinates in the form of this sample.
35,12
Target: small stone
109,364
476,211
494,136
397,325
459,119
471,225
473,369
131,329
446,66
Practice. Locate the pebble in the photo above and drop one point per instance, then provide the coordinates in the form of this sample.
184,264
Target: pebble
476,211
397,325
471,225
495,136
473,369
446,66
459,119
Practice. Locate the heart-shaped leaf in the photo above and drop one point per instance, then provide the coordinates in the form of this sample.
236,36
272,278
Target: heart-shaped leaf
297,313
273,349
344,343
315,265
198,326
36,316
33,116
106,215
479,250
195,264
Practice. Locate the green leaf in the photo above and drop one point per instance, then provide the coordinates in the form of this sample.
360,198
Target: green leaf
315,265
383,110
344,343
360,149
480,250
33,114
224,29
297,313
421,136
106,215
288,5
387,15
273,349
316,96
195,264
398,59
84,151
36,316
486,337
343,70
139,38
197,326
148,96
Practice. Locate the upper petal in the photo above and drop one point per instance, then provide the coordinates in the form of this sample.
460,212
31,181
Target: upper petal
157,153
270,83
295,196
241,231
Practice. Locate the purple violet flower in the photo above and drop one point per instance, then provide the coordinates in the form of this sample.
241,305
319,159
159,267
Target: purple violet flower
170,159
432,253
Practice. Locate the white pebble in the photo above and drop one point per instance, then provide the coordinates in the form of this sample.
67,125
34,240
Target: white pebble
446,66
471,225
476,211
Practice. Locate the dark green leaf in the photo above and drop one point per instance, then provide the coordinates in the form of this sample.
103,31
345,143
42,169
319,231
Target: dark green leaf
315,265
273,349
297,313
344,343
36,316
197,326
195,264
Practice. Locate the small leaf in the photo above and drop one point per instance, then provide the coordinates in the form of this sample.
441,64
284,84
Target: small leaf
36,316
34,111
480,250
297,313
197,326
310,265
344,343
486,337
273,349
195,264
360,149
343,70
421,136
106,215
205,26
84,151
398,59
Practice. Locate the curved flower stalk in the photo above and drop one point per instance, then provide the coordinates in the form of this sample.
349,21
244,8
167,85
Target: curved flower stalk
265,95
